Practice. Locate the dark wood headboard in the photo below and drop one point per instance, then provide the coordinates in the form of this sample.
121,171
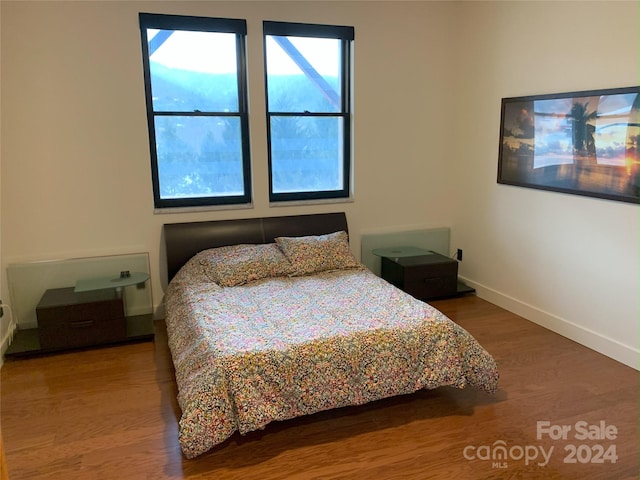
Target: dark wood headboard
184,240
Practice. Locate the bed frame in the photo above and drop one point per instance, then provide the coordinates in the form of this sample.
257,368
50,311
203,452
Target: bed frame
183,240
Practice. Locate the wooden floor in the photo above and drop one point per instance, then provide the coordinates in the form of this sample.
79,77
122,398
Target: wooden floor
111,413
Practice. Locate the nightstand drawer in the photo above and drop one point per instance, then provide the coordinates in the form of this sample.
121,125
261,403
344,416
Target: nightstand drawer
431,287
64,333
67,319
421,273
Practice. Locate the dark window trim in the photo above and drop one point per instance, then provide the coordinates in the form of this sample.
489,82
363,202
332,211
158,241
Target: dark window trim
346,35
197,24
307,30
205,24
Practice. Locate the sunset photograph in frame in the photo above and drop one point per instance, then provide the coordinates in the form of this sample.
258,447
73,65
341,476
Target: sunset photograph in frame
582,143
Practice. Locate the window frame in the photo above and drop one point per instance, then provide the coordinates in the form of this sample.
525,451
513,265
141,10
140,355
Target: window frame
201,24
345,35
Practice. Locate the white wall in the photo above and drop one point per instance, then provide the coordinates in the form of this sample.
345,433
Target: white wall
76,170
428,81
567,262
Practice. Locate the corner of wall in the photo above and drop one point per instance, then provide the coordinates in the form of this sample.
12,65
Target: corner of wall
609,347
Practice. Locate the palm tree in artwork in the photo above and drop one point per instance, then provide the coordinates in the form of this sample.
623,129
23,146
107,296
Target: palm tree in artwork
582,130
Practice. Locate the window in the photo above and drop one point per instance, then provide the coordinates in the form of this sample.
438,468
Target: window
308,110
196,92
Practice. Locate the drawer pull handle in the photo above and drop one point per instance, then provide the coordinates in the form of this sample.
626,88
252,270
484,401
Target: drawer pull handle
82,323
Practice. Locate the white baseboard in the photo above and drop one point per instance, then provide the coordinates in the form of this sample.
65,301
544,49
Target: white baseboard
584,336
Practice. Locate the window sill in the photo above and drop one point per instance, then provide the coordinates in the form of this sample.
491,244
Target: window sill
205,208
321,201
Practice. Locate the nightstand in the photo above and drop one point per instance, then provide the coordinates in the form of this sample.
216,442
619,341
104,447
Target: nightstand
422,273
97,310
69,319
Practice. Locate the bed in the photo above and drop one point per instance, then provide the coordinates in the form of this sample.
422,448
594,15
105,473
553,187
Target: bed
273,318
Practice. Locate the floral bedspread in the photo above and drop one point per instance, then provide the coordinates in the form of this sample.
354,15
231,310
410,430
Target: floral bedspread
283,347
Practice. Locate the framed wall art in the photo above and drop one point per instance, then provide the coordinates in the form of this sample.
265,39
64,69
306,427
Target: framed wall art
583,143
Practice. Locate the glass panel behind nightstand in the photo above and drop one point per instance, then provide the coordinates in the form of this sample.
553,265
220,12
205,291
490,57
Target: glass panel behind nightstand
397,252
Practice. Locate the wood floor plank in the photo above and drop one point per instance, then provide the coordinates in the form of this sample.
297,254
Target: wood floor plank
111,413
